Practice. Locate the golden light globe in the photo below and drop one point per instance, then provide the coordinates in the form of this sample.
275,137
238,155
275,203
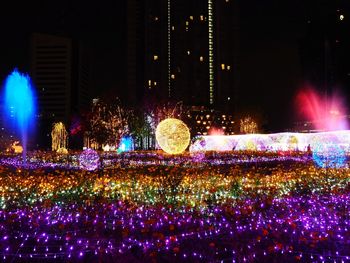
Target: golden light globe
173,136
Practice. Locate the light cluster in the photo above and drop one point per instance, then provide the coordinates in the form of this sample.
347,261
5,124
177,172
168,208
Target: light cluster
173,136
247,206
271,142
89,160
59,136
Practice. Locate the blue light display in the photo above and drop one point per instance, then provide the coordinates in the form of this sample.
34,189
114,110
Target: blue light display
19,105
126,144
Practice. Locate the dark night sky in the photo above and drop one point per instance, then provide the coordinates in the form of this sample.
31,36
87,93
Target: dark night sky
269,62
101,26
270,30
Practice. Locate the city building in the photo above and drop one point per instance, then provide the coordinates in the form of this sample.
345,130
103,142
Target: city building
204,121
60,71
184,51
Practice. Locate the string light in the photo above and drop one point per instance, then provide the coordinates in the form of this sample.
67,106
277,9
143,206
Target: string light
168,207
273,142
89,160
59,136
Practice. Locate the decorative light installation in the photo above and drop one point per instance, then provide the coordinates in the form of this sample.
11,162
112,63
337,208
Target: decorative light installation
169,47
126,144
248,125
271,142
20,105
62,150
327,153
59,136
89,160
173,136
16,147
211,50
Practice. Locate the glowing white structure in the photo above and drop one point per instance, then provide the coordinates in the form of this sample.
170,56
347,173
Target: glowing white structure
271,142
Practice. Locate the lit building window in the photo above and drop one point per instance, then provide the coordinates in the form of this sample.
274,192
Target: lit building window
223,66
228,67
173,28
202,18
201,58
188,52
187,23
191,17
173,76
341,17
149,82
155,83
155,57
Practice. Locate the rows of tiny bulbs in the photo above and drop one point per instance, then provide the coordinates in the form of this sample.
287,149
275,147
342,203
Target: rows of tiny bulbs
287,211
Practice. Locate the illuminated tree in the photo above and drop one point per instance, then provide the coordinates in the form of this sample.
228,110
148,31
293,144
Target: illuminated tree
143,122
59,136
107,122
163,111
248,125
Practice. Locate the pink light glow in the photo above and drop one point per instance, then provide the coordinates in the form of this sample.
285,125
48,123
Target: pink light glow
216,131
326,114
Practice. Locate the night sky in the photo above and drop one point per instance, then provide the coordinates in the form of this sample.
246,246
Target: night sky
270,34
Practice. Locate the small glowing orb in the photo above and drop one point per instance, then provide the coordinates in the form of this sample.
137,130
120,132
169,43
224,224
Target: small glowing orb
16,147
328,154
173,136
89,160
62,150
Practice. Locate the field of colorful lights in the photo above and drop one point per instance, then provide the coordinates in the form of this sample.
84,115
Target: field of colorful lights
150,207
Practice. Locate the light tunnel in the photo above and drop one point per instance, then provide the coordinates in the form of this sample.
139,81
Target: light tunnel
286,141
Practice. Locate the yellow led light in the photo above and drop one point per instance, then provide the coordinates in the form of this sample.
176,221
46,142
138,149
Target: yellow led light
173,136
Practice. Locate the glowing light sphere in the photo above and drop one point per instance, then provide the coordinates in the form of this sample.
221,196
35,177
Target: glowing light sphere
62,150
173,136
328,154
89,160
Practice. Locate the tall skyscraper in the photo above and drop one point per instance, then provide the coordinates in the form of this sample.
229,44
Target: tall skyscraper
60,70
189,51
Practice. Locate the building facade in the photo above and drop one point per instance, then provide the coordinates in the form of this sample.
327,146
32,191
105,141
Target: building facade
189,51
61,74
60,70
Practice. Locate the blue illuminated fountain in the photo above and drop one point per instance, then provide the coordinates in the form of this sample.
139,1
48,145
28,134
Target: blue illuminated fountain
19,106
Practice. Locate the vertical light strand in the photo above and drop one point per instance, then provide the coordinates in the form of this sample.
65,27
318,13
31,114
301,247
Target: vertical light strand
211,52
169,48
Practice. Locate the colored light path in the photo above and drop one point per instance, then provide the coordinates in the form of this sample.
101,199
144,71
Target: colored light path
276,211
